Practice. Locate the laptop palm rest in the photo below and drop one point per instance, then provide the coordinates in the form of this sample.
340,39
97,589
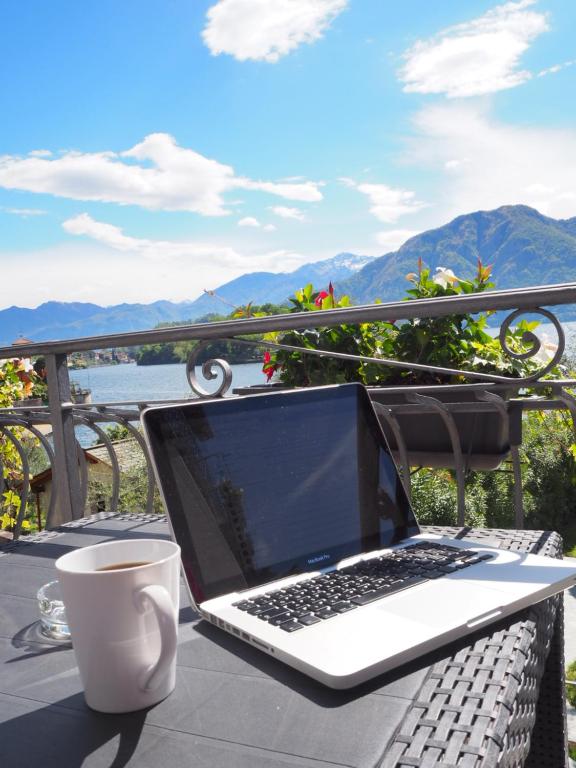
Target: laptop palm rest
442,604
401,628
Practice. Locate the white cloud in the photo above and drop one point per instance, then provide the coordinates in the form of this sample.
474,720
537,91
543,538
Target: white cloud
287,213
24,213
280,260
249,221
307,192
112,236
156,174
477,57
41,153
265,30
556,68
269,228
492,163
174,277
392,239
455,165
169,269
539,189
388,204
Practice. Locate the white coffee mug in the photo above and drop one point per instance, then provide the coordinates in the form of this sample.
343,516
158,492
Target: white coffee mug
121,601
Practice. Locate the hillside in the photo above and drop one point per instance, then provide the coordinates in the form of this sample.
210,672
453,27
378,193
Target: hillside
525,247
70,320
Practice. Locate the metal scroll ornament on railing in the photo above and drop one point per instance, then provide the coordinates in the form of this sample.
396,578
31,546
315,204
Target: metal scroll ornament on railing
211,369
535,344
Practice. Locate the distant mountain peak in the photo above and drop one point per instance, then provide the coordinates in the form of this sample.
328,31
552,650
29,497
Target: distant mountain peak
351,261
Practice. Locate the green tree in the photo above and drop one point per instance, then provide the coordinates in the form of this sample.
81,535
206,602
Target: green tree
117,432
178,352
156,354
548,482
132,494
434,499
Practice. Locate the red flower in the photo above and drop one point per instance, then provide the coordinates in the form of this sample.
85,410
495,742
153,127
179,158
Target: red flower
269,368
321,296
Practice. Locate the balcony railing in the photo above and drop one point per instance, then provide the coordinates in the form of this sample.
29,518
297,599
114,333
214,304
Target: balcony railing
460,411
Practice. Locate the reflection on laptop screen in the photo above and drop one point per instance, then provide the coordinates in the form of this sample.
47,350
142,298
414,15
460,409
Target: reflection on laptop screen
262,487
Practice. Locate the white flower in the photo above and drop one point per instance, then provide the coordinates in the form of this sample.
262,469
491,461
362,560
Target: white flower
547,350
444,276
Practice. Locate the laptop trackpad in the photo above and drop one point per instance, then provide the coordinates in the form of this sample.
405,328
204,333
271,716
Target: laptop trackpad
445,603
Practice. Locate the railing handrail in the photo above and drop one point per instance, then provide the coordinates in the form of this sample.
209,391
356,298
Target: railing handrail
517,298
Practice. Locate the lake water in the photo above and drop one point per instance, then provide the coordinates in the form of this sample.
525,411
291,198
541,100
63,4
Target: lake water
145,383
113,383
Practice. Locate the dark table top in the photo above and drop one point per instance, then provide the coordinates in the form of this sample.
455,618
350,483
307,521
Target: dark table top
233,705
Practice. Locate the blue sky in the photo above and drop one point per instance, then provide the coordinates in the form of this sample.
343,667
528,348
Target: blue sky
151,150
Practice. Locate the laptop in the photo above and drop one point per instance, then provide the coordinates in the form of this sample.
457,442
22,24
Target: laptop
297,536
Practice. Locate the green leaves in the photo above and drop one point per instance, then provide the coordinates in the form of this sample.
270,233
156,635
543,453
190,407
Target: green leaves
17,381
247,311
11,502
454,341
483,272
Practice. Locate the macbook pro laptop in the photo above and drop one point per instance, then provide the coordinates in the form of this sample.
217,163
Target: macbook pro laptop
297,536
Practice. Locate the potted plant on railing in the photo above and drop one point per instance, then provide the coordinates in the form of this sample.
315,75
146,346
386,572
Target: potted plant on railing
424,355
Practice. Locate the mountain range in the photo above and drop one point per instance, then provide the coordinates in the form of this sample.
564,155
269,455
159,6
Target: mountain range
525,248
263,287
70,320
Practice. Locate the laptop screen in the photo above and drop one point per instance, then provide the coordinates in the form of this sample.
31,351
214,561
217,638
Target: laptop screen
258,488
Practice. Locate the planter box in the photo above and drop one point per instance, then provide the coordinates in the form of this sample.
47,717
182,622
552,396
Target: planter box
484,431
29,402
81,396
259,389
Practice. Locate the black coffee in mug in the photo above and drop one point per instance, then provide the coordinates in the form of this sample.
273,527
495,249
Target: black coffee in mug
122,566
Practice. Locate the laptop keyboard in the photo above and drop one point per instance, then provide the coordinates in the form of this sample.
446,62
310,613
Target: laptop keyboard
330,594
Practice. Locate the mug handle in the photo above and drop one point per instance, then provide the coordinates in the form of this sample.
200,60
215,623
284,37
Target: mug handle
157,597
